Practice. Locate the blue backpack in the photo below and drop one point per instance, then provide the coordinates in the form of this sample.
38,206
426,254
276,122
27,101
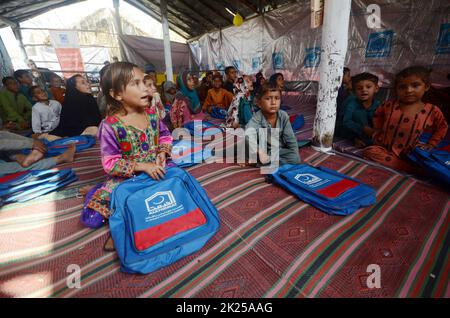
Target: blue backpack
436,161
186,153
57,147
323,188
156,223
26,186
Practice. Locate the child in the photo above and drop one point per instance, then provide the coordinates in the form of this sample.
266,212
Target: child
154,98
230,72
359,110
186,106
217,96
132,137
56,88
45,113
398,124
15,107
277,80
270,116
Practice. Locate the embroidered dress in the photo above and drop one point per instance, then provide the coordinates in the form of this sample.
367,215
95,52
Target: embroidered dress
397,134
122,146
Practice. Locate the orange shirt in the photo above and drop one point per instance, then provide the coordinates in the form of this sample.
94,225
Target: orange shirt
222,99
58,94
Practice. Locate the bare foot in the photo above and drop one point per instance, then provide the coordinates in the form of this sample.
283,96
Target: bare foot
67,156
34,156
109,245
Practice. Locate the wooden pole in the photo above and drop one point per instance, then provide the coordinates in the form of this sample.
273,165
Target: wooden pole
166,37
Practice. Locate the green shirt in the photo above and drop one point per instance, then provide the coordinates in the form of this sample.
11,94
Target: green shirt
14,107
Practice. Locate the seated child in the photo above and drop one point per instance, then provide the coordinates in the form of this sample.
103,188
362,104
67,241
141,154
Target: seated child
359,110
132,137
15,107
45,113
398,124
56,88
217,96
154,97
270,117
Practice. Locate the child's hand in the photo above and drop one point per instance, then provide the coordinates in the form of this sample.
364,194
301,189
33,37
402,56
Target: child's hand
359,143
161,159
263,157
39,146
152,169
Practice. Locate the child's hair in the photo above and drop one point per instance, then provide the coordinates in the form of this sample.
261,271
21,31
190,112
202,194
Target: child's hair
264,89
346,70
228,69
19,73
364,77
32,89
217,76
420,71
7,78
116,77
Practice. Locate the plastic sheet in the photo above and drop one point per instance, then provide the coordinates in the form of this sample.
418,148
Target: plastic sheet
411,32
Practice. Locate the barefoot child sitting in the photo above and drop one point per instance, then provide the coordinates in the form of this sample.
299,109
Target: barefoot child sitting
132,137
270,117
398,124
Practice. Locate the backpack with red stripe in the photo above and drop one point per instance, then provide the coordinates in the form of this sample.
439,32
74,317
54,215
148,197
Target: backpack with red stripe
156,223
323,188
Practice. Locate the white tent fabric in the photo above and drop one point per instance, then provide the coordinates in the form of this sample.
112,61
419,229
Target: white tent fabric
411,32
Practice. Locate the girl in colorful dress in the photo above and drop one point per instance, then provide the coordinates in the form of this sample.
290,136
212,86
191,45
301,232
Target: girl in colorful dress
186,106
132,137
398,124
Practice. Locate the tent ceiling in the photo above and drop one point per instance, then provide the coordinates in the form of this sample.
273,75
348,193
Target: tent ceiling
186,17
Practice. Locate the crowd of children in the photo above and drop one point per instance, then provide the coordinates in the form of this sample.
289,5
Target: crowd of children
135,122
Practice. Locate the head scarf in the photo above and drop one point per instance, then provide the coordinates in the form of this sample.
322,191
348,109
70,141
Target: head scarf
168,85
78,112
190,95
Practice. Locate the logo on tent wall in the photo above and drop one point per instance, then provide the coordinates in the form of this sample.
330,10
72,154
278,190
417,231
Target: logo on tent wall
379,44
307,178
277,60
220,66
160,201
237,64
256,63
312,58
443,44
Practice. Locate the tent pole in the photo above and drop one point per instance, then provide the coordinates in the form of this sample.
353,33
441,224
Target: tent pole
166,36
334,49
118,24
18,34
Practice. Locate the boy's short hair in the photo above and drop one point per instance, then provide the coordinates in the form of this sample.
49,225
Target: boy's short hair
217,76
364,77
19,73
7,78
417,70
32,89
229,68
263,89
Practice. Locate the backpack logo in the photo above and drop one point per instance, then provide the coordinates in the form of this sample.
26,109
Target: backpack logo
307,178
447,163
160,202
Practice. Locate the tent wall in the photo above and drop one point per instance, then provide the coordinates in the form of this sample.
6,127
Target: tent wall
411,32
142,50
6,67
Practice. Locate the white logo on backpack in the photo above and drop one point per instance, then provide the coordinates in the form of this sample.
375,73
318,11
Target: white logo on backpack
160,201
307,178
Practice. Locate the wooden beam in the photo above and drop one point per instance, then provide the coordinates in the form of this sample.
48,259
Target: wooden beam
213,23
214,10
249,5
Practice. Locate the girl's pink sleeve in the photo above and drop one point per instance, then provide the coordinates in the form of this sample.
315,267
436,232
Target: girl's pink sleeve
112,160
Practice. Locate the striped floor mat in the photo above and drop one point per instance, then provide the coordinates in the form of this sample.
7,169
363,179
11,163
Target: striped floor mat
269,244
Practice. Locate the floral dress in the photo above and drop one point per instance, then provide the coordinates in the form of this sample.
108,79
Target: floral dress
122,146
